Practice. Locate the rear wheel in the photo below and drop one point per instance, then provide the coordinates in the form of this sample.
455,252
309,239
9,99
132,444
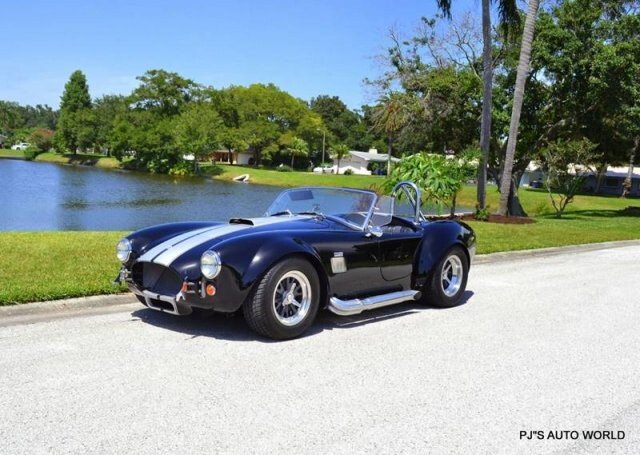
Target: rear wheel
286,300
449,279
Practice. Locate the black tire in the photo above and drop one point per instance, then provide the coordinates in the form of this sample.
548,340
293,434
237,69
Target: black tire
260,310
438,292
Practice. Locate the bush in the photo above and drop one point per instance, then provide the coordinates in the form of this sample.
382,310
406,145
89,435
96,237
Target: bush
284,168
348,172
42,139
482,214
31,153
182,168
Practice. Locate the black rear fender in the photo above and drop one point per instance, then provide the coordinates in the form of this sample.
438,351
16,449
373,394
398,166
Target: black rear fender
440,237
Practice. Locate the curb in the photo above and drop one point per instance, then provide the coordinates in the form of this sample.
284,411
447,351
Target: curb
102,304
29,313
520,255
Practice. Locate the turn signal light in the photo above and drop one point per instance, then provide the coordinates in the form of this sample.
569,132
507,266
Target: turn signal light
211,290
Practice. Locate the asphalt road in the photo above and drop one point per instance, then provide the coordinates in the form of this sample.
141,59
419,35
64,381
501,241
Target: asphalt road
545,343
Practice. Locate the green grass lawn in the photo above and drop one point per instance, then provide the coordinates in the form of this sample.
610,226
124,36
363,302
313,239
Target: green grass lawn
289,179
53,265
8,153
84,159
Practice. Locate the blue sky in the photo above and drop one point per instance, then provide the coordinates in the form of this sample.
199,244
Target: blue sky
306,47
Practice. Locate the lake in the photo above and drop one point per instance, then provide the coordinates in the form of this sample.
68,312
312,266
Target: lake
43,196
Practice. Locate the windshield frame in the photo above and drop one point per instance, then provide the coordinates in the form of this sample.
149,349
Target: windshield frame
337,219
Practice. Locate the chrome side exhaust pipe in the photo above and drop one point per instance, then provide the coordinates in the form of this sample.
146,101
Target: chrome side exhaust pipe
357,306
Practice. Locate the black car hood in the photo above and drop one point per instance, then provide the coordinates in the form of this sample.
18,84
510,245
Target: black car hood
170,251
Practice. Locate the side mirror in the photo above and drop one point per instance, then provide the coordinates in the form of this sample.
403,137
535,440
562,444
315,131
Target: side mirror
374,231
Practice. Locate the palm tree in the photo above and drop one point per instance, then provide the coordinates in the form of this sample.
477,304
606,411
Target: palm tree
339,151
509,19
297,147
389,118
518,96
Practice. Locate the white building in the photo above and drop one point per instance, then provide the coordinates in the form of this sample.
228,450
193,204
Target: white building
358,162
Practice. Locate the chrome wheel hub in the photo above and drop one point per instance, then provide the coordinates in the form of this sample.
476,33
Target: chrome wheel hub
452,274
292,298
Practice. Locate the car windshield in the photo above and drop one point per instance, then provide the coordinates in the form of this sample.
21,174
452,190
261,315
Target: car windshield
349,206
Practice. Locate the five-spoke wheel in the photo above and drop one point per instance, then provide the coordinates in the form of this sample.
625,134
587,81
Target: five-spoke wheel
448,280
285,301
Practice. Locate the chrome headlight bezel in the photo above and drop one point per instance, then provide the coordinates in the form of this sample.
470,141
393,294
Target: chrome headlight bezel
123,250
210,264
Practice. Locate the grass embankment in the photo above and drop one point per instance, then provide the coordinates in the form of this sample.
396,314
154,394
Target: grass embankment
15,154
53,265
288,179
81,159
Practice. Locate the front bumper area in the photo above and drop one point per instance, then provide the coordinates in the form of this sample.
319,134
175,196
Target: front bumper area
163,303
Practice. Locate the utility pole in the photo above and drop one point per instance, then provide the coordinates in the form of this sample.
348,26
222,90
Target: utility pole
324,132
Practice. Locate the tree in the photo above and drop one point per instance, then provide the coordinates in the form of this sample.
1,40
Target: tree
440,178
509,18
106,109
42,139
72,131
563,177
164,93
344,125
389,117
338,152
297,147
506,184
197,130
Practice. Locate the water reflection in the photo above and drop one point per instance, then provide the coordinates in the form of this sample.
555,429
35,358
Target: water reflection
45,196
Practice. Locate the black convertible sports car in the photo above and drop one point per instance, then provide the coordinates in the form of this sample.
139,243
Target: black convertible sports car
344,249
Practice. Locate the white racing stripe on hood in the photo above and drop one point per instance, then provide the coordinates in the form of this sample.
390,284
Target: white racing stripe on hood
172,249
178,250
158,249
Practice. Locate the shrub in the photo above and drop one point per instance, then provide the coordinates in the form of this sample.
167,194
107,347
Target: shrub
42,139
567,163
31,153
182,168
284,168
348,172
482,214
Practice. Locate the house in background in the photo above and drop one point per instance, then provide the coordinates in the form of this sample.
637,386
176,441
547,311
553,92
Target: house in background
232,157
3,139
359,162
611,181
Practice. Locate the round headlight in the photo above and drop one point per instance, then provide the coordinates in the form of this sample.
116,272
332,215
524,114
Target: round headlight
210,264
123,250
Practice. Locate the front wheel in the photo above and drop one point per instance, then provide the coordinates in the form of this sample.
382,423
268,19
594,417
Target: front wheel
448,281
286,300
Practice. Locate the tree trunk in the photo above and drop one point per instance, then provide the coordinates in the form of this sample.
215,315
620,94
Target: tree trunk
292,157
518,97
453,205
485,124
602,171
389,158
514,206
632,155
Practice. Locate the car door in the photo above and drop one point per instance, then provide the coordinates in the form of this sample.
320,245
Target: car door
351,260
396,250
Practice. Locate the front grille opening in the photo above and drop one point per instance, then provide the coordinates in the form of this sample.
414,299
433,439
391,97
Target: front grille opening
156,278
161,304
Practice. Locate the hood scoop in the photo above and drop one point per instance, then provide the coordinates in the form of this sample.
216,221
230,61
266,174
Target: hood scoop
265,220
